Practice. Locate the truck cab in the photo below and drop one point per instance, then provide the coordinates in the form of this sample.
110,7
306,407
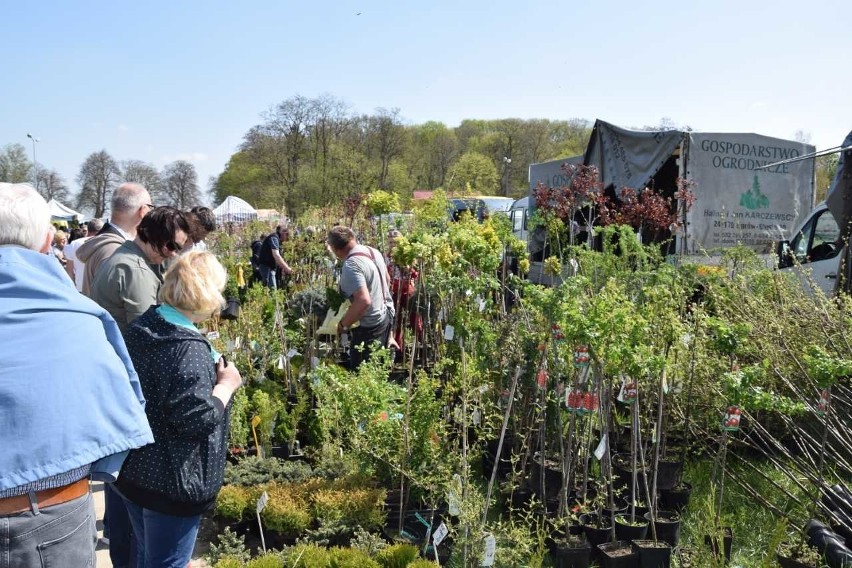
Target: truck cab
814,250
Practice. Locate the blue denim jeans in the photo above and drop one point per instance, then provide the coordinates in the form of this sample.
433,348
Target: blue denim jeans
162,541
54,537
267,276
121,550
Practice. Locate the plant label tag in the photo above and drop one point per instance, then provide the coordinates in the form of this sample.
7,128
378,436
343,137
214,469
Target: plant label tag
254,345
654,434
281,362
238,342
665,384
449,332
292,353
583,375
731,422
824,402
261,503
315,362
440,534
442,314
255,421
490,550
599,451
453,507
477,417
229,346
481,303
213,335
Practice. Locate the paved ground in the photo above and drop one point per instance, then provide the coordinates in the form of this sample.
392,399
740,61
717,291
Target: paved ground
102,552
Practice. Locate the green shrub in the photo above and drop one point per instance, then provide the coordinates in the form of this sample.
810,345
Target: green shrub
397,556
367,542
268,560
351,558
285,513
307,556
422,563
232,502
230,546
253,470
230,562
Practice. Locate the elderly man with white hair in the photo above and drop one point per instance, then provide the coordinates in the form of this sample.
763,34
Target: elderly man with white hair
59,425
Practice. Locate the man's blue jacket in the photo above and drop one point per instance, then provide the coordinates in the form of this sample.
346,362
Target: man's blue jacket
68,393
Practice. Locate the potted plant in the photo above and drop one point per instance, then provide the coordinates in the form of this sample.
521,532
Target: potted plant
653,553
571,551
795,553
666,525
618,554
629,527
232,299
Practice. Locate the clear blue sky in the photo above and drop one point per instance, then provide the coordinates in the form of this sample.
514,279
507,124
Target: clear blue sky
158,80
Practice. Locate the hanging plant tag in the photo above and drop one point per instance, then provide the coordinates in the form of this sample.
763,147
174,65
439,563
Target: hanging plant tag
261,503
254,345
292,353
628,391
583,375
581,356
477,417
442,314
557,332
440,534
213,335
449,332
654,434
541,378
590,403
238,342
574,400
315,362
732,418
665,384
281,362
599,451
490,550
453,507
481,303
229,346
824,402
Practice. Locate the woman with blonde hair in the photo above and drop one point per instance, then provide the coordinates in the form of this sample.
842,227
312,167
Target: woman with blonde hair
188,386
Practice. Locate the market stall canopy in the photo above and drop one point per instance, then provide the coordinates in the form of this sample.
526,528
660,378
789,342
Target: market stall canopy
629,158
60,212
234,210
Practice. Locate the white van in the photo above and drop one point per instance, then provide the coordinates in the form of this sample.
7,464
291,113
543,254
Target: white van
814,250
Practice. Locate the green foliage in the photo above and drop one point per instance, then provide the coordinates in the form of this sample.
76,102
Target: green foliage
268,560
231,562
253,470
239,429
264,407
232,502
230,546
825,369
382,202
307,556
397,555
422,563
367,542
474,173
351,558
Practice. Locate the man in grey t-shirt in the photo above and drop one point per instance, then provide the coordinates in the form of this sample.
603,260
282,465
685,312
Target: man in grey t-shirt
364,281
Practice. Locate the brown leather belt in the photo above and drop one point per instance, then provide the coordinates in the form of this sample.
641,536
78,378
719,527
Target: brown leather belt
44,498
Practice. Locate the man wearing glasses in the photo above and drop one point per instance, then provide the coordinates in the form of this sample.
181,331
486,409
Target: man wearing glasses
127,282
130,202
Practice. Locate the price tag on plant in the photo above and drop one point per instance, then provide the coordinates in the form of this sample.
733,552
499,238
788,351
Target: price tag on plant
261,503
213,335
599,451
490,550
449,333
581,356
476,417
480,302
440,534
541,378
732,418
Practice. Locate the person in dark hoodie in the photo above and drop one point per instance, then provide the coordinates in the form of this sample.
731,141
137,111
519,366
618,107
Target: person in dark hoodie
188,387
130,203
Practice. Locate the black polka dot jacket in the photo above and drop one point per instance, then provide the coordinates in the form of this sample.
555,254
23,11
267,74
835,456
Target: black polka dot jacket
182,471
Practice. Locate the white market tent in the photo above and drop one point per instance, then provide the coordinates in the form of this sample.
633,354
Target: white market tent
60,212
234,209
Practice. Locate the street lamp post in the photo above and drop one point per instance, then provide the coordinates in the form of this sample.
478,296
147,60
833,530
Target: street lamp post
35,164
507,162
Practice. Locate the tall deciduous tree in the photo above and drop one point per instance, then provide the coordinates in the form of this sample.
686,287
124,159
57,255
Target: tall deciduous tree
14,165
181,185
51,185
387,139
476,172
98,177
143,173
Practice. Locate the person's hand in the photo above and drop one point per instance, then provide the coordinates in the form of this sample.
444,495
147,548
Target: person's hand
227,375
341,328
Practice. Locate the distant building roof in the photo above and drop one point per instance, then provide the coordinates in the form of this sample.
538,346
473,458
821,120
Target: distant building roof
423,194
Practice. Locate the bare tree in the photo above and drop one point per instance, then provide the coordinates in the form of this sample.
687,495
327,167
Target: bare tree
387,137
14,165
98,177
180,182
51,185
146,174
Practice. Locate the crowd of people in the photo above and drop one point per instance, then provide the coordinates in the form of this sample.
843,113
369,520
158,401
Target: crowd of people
138,398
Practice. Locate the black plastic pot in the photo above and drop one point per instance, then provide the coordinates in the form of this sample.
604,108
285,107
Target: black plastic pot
668,472
564,556
232,309
829,544
618,554
552,478
667,525
713,543
620,506
653,554
676,499
785,562
626,531
596,532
